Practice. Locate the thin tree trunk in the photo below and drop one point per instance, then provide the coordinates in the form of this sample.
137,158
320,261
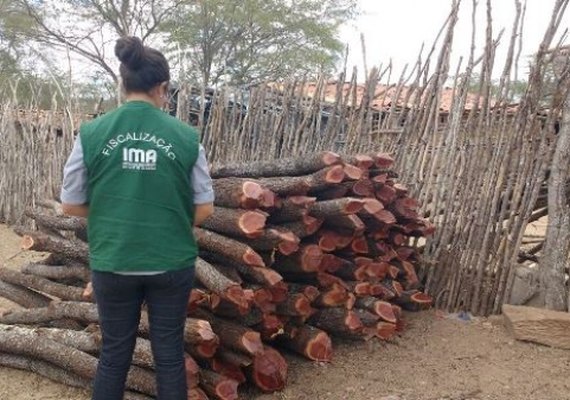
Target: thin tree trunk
557,245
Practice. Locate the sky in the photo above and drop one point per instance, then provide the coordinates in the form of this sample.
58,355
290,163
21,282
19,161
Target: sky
395,29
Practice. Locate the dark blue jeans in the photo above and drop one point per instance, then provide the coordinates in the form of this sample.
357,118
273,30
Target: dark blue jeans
119,299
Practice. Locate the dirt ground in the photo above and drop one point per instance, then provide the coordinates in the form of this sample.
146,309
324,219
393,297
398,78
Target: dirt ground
439,356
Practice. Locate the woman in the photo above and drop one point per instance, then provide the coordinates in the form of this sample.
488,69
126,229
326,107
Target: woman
141,178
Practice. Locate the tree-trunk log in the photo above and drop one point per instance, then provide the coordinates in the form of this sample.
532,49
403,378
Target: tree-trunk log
236,222
196,394
308,341
301,185
262,276
232,335
218,386
276,238
296,305
337,321
64,292
334,208
227,247
382,309
307,259
292,209
60,223
238,193
269,370
56,374
293,166
218,283
22,295
75,250
22,341
58,272
306,227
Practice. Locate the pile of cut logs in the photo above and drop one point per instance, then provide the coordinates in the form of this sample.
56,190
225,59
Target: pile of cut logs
297,250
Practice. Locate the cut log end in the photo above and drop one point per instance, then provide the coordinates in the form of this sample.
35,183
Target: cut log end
312,224
269,371
372,206
252,190
352,322
352,172
250,257
335,174
252,342
27,242
320,348
252,222
330,158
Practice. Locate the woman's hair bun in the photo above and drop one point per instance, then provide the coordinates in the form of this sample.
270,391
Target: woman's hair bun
130,51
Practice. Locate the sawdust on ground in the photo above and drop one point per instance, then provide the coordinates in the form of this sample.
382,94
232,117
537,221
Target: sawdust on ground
438,357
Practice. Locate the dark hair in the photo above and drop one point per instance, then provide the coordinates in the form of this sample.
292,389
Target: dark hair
142,67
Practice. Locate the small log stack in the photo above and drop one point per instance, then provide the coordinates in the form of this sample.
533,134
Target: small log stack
298,250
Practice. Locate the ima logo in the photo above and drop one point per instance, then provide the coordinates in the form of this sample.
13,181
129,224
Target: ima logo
139,159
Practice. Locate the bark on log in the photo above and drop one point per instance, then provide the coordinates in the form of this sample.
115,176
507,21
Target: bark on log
64,292
60,223
330,193
22,295
349,222
414,300
311,292
198,335
308,226
335,296
217,282
366,317
262,276
276,238
362,161
296,305
81,311
16,340
270,327
57,272
236,222
56,374
45,369
311,342
286,185
75,250
283,167
238,193
228,370
307,259
386,194
232,335
90,342
218,386
382,309
334,208
292,209
227,247
337,321
196,394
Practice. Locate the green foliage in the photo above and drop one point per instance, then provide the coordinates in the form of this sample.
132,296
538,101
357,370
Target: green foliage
245,41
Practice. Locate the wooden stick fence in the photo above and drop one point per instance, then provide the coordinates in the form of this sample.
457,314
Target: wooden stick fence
476,163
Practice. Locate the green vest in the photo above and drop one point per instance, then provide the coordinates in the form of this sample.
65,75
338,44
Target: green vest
139,162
